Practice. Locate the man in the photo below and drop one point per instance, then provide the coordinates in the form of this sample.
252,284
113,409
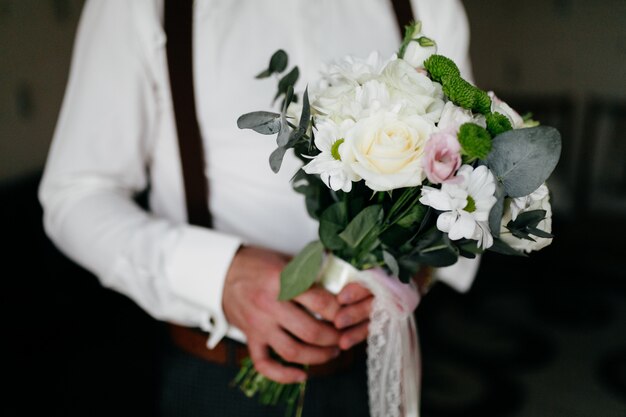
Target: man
117,133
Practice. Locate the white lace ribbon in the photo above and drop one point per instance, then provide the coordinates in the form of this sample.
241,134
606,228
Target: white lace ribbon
393,358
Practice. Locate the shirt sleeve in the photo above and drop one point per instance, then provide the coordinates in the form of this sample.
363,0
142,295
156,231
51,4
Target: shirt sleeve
98,162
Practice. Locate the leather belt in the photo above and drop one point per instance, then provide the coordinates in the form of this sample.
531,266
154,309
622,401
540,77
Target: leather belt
230,353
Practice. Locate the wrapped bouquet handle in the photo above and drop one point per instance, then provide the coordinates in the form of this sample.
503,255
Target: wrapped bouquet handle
393,358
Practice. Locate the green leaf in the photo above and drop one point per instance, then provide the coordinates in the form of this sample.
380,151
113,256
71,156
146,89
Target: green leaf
413,217
301,272
332,222
276,158
279,61
362,225
523,159
264,122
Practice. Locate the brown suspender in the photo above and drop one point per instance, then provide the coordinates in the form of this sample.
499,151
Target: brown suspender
404,14
178,18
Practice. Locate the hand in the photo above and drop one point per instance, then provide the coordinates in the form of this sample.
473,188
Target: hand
353,317
250,302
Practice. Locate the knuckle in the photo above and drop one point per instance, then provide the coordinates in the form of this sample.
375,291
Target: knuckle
311,333
288,351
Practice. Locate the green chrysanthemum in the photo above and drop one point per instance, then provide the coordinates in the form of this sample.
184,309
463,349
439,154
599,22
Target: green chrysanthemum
475,141
498,123
483,102
439,66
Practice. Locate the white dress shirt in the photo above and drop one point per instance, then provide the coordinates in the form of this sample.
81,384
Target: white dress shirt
116,133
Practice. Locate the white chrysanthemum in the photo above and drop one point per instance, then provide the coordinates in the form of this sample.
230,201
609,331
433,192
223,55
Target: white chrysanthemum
349,102
465,204
537,200
352,70
333,171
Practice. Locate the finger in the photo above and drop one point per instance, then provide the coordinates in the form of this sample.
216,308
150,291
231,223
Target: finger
354,313
272,369
296,352
305,327
317,300
353,293
354,335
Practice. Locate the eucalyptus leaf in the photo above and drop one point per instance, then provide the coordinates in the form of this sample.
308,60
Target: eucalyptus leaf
288,80
495,215
263,74
264,122
528,219
499,246
305,116
523,159
284,133
276,158
301,272
391,263
279,61
540,233
362,225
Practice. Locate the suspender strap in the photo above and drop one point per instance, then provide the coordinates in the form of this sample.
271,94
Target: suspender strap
178,18
404,14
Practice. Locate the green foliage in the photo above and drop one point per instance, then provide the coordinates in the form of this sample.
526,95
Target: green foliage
475,141
302,271
362,226
497,123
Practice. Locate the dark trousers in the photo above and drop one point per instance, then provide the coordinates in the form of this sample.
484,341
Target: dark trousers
190,386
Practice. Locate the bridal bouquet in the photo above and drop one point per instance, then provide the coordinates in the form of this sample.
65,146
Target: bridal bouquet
406,165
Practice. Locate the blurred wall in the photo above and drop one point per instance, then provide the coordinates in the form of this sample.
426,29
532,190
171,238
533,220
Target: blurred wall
576,47
557,55
36,39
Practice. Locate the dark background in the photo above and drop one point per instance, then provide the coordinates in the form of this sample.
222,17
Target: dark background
540,336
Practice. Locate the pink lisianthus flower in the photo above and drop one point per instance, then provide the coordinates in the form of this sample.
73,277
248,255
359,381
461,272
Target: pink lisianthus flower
442,156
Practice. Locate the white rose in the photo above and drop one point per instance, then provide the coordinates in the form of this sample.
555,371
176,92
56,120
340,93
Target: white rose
537,200
415,53
386,149
417,93
453,116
